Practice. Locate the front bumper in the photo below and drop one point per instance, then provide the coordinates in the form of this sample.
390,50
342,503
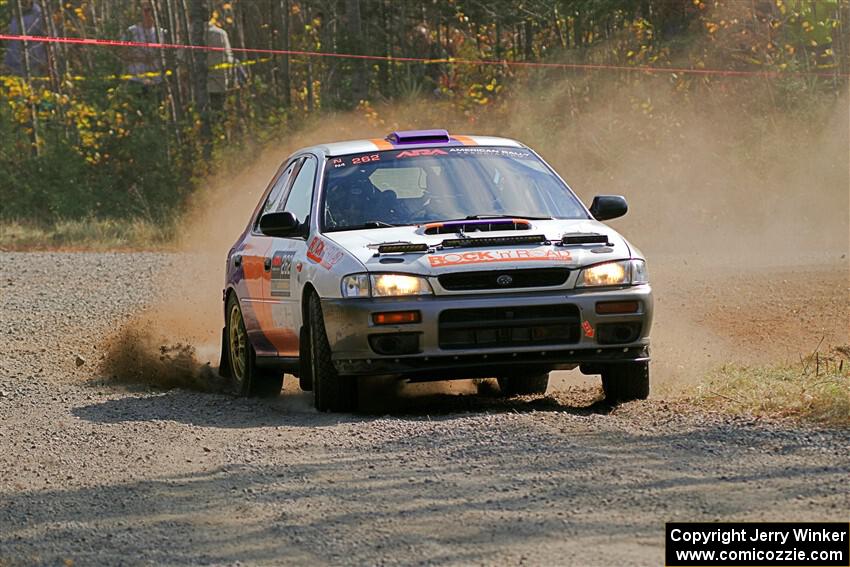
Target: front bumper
349,326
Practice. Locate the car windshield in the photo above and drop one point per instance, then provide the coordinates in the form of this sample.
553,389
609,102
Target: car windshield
415,186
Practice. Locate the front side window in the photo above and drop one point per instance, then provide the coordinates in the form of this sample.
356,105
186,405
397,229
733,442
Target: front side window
402,187
276,194
301,195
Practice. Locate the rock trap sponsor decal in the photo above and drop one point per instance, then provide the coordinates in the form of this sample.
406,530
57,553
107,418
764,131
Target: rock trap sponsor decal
492,256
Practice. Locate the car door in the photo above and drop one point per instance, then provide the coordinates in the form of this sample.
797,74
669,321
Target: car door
286,257
251,256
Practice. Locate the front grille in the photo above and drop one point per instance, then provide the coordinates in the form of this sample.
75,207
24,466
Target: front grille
509,326
471,281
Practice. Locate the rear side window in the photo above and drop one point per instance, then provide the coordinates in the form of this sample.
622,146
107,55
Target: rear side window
301,195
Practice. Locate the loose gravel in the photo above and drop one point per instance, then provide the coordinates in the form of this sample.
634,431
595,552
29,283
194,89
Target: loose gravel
96,473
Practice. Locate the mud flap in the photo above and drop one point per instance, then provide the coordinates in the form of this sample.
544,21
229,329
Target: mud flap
305,379
224,361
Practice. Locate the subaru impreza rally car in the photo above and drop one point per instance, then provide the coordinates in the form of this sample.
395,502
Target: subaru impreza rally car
429,256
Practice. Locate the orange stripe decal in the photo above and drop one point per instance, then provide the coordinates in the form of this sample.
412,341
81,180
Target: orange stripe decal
382,144
466,140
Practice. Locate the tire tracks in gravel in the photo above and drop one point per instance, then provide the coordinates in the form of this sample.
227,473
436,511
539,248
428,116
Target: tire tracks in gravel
99,474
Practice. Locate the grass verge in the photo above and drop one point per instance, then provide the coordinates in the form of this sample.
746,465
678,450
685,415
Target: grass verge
87,234
816,389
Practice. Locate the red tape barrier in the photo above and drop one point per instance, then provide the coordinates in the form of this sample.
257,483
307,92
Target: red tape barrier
450,61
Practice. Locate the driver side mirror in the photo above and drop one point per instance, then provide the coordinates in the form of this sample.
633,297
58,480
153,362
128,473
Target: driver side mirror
605,207
279,224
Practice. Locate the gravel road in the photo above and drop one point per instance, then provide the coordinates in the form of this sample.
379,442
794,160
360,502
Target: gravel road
92,473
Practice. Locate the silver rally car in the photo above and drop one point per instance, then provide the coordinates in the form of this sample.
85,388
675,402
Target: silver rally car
429,256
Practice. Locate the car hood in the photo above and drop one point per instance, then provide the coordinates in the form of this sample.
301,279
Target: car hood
363,245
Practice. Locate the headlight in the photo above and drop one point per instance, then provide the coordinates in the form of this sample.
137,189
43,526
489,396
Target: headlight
639,273
384,285
388,285
623,272
356,285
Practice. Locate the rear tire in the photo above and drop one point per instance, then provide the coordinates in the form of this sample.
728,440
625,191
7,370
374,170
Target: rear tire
524,384
246,377
626,382
331,391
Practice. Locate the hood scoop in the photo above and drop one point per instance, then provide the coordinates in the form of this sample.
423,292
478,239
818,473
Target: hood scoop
494,241
477,225
578,238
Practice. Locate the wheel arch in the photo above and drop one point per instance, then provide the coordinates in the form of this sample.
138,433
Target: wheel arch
224,355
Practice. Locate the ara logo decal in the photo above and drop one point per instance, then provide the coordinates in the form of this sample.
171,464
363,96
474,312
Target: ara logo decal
588,329
423,152
281,274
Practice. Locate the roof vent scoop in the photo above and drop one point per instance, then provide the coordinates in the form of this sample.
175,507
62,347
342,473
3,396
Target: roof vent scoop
419,137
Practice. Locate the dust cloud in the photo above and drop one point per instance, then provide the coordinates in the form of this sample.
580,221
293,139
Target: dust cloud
723,187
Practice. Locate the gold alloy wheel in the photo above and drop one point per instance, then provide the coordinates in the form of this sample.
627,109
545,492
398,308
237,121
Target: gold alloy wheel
238,342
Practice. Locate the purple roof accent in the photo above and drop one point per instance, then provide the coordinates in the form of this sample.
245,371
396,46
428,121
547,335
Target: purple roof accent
418,137
481,221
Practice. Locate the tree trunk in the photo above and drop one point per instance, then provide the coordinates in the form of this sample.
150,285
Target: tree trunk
25,59
498,38
52,49
286,81
384,66
359,84
329,94
556,20
199,16
310,95
172,62
578,31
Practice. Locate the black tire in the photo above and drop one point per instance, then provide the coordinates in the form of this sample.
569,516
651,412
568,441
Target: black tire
625,382
523,384
246,377
331,391
305,377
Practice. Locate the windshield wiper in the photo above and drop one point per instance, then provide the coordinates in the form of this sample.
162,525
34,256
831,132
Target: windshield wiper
367,224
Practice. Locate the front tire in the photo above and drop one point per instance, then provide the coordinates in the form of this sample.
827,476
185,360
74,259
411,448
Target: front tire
523,384
331,391
246,377
626,382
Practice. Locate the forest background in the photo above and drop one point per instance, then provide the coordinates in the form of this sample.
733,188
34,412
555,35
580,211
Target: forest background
84,157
